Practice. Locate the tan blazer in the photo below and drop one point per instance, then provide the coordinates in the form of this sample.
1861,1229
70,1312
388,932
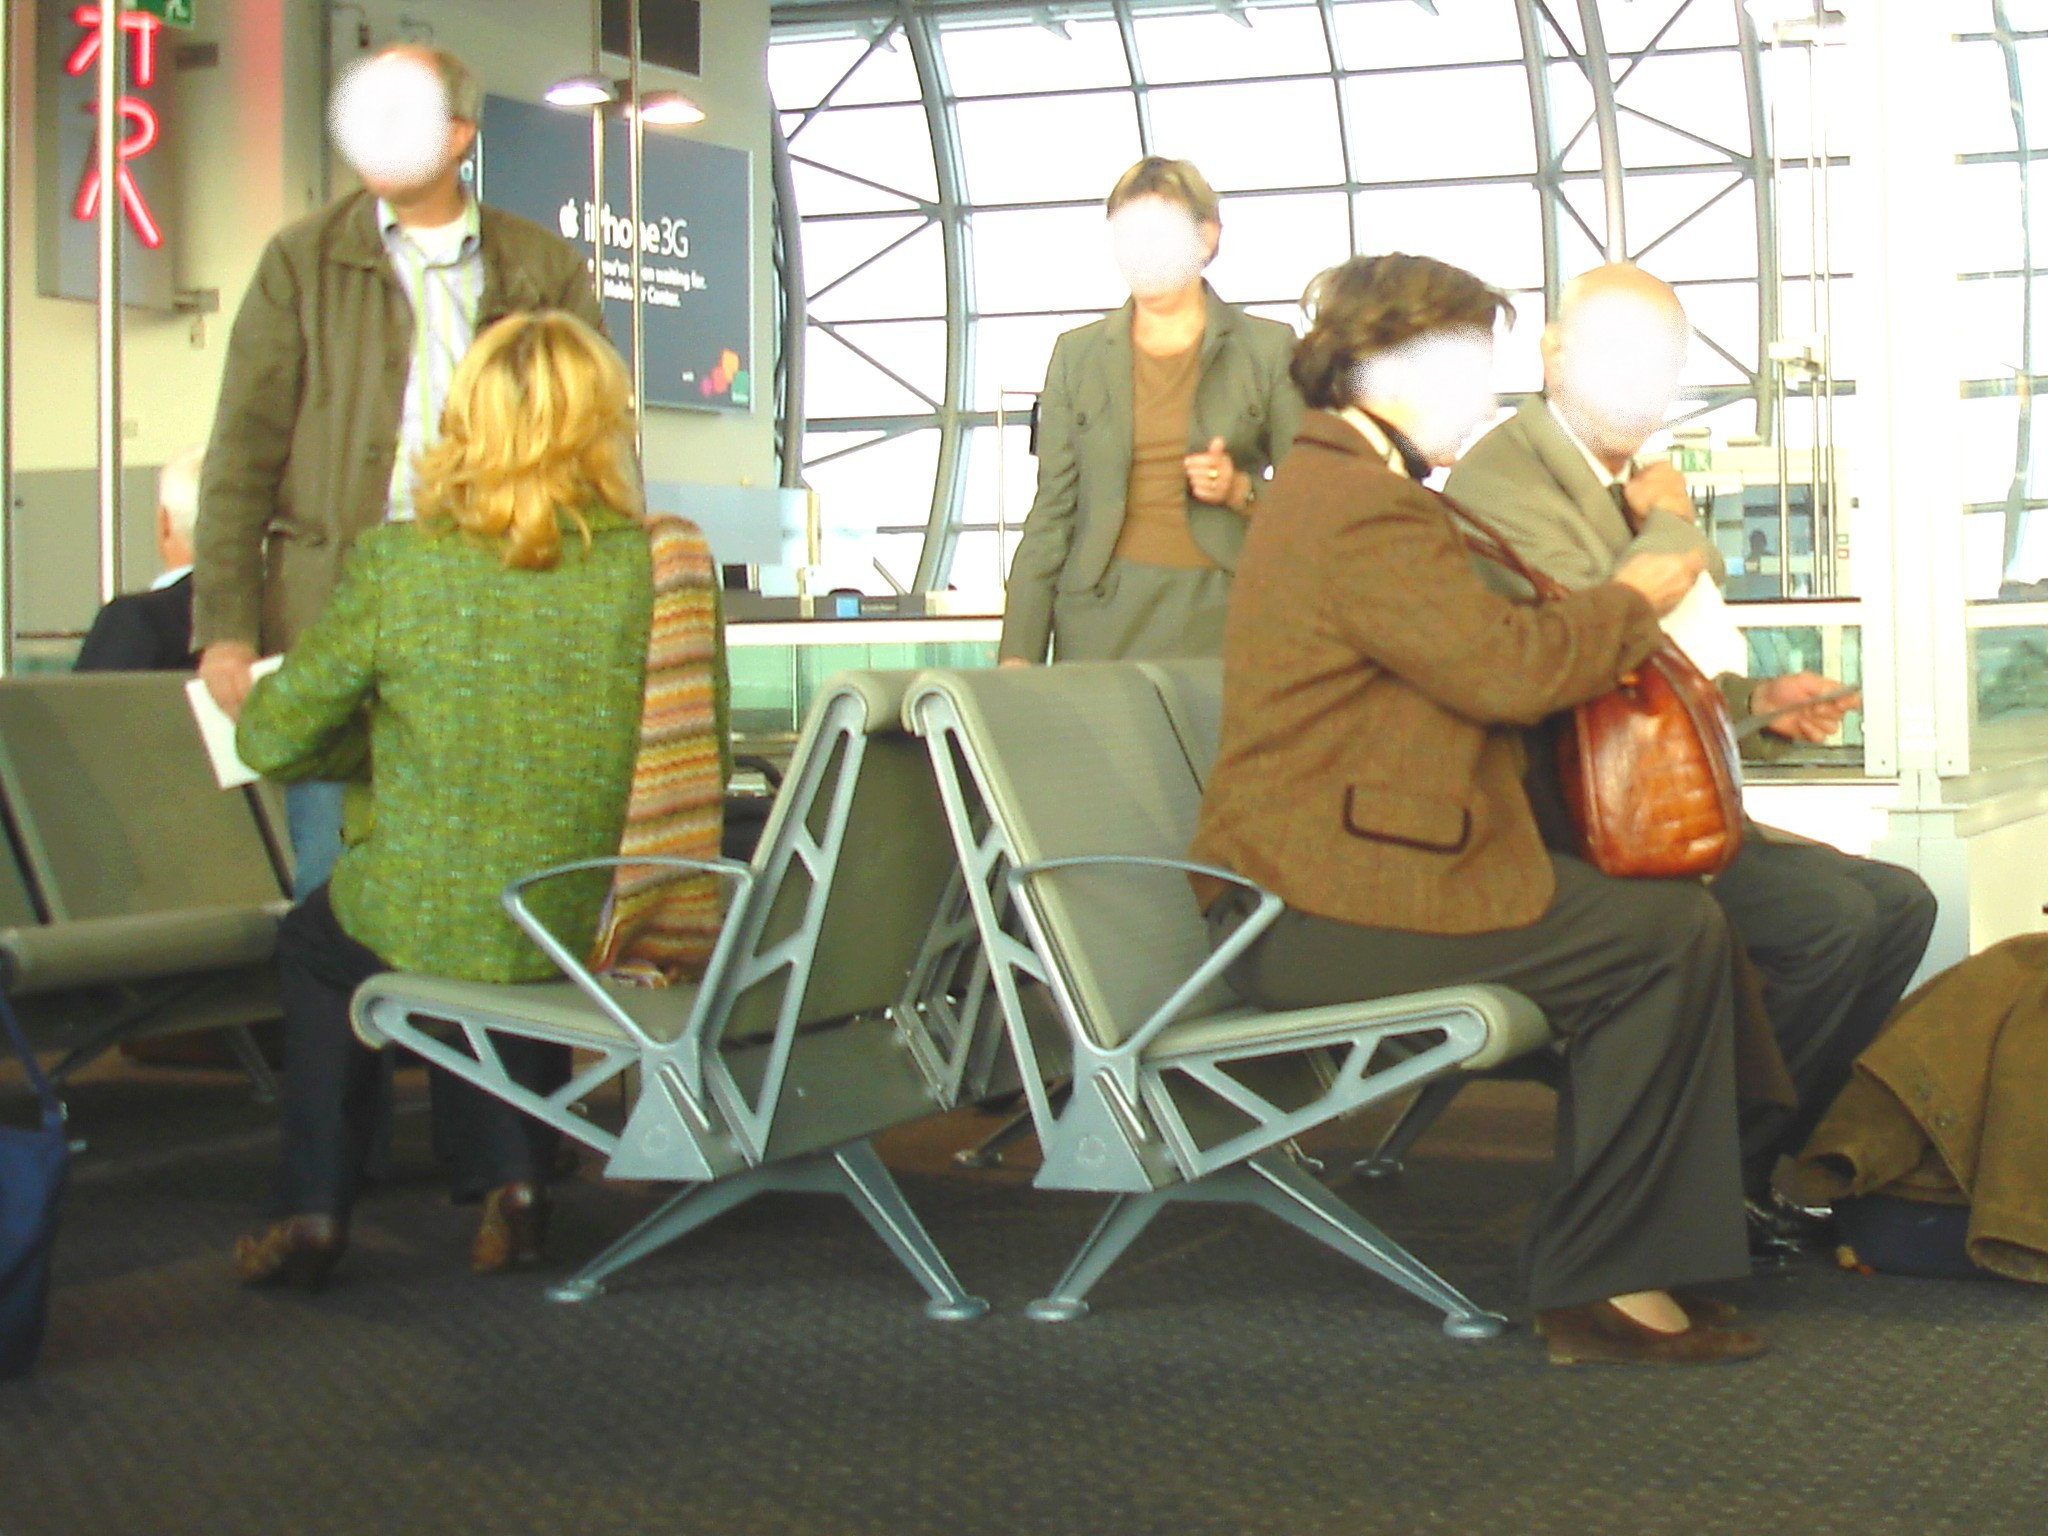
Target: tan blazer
1533,485
1244,396
1371,765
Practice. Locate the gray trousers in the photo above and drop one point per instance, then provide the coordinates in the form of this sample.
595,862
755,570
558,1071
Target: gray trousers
1634,975
1836,938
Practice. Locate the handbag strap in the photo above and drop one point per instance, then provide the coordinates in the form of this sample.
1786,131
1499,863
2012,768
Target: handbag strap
1487,542
46,1096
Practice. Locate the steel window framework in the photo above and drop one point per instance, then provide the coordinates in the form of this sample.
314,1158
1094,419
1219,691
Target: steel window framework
1546,42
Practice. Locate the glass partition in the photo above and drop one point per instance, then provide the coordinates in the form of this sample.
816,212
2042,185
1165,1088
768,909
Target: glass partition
778,669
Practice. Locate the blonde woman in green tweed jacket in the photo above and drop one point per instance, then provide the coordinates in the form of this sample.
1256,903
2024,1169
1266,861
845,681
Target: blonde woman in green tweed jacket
490,657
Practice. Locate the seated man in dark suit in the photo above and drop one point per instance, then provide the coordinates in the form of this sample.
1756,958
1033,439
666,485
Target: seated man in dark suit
1836,938
152,631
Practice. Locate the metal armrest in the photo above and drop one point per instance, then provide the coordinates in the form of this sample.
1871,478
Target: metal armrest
1220,959
514,899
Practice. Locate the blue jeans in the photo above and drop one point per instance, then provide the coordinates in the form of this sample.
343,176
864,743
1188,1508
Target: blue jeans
312,813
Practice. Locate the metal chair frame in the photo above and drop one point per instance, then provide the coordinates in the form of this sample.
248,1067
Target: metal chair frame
1124,1130
693,1120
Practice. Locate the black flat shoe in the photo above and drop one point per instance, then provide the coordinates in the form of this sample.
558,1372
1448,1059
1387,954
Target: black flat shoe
300,1251
1780,1234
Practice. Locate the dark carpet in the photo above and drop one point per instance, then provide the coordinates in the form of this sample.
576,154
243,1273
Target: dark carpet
776,1374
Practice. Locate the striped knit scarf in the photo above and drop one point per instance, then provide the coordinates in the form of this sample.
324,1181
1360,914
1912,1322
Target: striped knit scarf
658,927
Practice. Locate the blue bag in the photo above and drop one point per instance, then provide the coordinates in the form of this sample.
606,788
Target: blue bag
33,1164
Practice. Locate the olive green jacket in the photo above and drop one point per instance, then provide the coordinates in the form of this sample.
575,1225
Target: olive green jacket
311,394
1085,422
504,718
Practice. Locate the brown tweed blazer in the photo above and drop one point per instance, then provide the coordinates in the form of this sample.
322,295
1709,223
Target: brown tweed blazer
1373,687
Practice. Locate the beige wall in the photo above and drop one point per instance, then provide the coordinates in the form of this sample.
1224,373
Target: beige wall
246,156
250,156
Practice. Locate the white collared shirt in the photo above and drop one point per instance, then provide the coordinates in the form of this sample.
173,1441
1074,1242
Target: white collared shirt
442,272
170,578
1607,477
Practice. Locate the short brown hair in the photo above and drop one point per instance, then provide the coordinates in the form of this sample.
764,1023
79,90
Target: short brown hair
1175,180
1370,304
465,95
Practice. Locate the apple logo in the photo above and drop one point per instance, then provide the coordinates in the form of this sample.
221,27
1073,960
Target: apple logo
567,220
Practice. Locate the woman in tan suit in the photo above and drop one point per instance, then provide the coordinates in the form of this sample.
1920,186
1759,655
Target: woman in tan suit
1370,774
1156,429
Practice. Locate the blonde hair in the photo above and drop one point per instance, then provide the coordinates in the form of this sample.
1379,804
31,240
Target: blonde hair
1175,180
538,426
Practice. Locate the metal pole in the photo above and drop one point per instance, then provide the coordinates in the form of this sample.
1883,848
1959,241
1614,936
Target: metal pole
633,153
1548,192
1827,510
597,156
109,230
6,343
795,308
1600,76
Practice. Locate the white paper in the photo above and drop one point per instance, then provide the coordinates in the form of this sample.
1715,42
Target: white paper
218,731
1706,632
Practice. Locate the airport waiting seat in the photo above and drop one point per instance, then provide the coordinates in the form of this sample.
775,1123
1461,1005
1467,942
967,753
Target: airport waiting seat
831,1007
137,897
1193,694
1072,795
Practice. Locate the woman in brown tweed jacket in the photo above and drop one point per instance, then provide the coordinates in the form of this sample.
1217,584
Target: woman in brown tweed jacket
1371,775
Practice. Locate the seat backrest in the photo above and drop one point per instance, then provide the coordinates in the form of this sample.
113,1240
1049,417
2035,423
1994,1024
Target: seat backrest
115,803
17,905
1084,759
857,811
1192,691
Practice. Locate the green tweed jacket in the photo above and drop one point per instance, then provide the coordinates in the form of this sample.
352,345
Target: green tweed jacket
504,717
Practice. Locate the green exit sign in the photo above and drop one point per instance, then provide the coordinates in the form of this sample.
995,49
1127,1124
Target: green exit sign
175,13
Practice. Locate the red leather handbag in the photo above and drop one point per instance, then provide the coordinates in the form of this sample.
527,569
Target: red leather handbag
1651,773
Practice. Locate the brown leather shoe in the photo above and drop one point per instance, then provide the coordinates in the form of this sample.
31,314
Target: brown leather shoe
1708,1310
512,1229
1601,1333
300,1250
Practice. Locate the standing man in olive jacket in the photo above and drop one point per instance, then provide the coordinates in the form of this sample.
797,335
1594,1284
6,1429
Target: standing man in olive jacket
336,372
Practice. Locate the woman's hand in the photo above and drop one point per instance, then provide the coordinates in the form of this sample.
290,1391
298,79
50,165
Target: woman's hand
1213,477
1662,578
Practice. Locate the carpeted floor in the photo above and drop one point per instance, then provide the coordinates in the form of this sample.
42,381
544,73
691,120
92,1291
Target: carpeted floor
776,1374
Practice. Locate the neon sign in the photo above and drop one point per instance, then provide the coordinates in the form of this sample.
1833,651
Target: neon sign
138,117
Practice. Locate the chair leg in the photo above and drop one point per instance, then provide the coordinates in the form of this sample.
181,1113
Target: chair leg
874,1193
683,1212
249,1057
1127,1216
1303,1203
988,1152
852,1170
1389,1157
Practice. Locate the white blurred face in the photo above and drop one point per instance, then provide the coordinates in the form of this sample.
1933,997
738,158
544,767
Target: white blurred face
1158,246
1613,367
1441,385
391,121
